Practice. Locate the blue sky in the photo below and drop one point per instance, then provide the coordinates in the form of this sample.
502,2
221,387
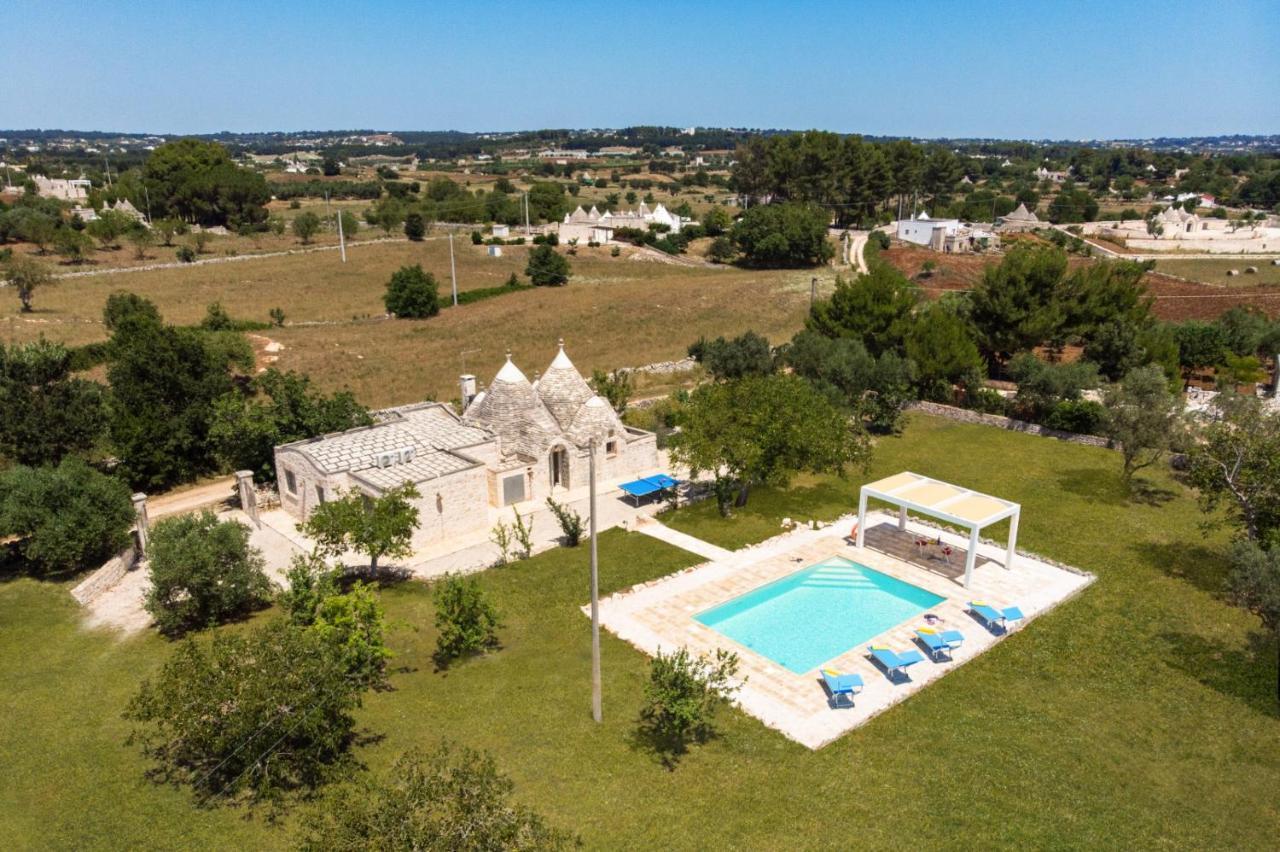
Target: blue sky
1074,70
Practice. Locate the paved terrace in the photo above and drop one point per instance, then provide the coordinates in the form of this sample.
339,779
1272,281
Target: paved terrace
660,615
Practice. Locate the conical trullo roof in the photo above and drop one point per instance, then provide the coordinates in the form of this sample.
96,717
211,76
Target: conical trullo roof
511,409
595,419
1022,214
563,389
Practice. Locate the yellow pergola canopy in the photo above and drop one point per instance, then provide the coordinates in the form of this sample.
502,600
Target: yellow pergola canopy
915,492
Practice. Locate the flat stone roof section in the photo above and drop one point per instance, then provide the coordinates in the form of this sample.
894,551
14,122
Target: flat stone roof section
423,467
426,427
660,615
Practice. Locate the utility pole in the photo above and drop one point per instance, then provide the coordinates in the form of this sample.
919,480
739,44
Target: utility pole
107,164
596,712
526,213
453,271
342,241
813,287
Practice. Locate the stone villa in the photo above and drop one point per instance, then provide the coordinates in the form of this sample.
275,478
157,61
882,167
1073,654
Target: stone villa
516,442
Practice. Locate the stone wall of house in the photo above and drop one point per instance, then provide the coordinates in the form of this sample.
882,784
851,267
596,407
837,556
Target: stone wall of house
307,478
452,505
105,577
964,415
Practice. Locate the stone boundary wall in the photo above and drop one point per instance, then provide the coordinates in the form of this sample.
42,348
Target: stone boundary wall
105,577
964,415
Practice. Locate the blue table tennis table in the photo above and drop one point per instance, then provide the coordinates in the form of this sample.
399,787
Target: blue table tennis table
648,486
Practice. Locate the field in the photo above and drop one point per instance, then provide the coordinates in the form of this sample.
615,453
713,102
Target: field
1175,299
1215,271
1141,715
615,312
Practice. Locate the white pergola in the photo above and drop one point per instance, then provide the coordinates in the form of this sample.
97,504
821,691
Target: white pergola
947,502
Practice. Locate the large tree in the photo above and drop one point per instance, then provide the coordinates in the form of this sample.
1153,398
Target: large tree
278,408
1254,584
412,293
197,182
164,381
763,430
251,715
940,344
783,235
67,517
874,308
47,412
547,267
1017,304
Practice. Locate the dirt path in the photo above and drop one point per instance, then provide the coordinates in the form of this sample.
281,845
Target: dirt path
206,495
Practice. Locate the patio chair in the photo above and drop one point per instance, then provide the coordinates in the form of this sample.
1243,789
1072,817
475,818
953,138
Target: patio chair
841,684
894,664
939,643
995,618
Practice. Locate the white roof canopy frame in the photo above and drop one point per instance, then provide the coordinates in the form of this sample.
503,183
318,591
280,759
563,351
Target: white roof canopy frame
952,503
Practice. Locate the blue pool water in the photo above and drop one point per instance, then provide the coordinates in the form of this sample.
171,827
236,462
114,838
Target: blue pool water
818,613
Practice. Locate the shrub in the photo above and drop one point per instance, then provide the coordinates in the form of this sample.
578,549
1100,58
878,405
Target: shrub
570,522
277,317
415,227
305,226
477,238
467,622
681,698
442,801
615,387
722,250
615,251
412,293
203,571
186,254
354,626
987,400
1076,415
66,517
310,580
547,268
252,715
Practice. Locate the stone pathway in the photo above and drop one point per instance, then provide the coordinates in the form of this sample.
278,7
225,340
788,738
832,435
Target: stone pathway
684,541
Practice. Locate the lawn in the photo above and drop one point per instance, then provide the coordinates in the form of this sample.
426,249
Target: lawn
1141,714
615,312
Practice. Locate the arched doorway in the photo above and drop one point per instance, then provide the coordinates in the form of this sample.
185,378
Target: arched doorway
558,461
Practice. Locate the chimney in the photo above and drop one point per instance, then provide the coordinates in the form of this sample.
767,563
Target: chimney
467,386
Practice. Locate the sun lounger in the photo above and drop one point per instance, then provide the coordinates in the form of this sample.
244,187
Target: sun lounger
939,643
841,684
995,618
894,663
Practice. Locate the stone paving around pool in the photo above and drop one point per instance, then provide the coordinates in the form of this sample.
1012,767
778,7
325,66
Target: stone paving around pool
660,614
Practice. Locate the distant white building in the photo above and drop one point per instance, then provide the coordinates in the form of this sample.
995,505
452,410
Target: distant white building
946,235
502,231
76,189
592,226
1053,177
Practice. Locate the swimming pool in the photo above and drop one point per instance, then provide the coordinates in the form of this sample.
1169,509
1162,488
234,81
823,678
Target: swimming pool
818,613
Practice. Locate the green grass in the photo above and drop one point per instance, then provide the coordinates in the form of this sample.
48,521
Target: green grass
1141,714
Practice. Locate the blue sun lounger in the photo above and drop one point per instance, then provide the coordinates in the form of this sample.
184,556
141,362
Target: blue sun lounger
841,684
940,643
894,663
995,618
647,486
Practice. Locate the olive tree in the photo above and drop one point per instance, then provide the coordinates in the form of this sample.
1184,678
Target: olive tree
375,526
1141,418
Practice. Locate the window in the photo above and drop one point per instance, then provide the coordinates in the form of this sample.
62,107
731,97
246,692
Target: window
611,447
512,489
290,482
319,494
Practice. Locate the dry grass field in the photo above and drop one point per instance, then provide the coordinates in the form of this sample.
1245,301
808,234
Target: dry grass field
615,312
1214,271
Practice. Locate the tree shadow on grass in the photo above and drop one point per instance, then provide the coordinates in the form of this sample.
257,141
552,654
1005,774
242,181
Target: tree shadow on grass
1102,486
665,748
1249,677
1202,566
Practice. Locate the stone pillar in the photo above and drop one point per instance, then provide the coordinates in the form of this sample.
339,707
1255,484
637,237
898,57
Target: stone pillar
143,524
248,497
